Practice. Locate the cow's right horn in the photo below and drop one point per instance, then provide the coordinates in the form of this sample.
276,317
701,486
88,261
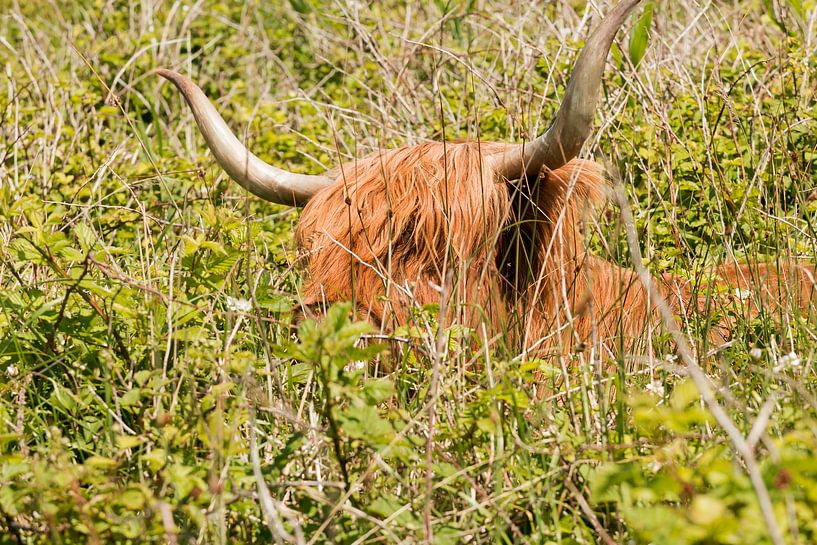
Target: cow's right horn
256,176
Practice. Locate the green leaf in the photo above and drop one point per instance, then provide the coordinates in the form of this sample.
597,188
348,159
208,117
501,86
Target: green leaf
128,441
222,264
772,13
378,390
85,236
141,377
71,254
364,422
640,35
63,398
101,462
706,510
191,245
132,499
155,459
131,397
190,334
301,6
387,505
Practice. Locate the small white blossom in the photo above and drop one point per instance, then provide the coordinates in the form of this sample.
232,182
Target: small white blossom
238,305
356,365
790,360
671,358
743,295
655,387
756,353
12,371
655,466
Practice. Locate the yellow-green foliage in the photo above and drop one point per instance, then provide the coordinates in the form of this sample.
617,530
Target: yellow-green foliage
153,387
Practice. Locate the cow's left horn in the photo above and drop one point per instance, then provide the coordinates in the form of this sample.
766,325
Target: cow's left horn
563,140
256,176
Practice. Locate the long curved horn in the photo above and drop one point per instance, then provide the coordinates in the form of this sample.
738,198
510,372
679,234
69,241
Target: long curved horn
256,176
563,140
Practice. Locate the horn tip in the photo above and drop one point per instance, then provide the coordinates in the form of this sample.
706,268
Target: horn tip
185,85
169,75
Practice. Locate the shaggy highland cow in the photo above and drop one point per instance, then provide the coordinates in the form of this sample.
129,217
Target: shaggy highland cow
499,225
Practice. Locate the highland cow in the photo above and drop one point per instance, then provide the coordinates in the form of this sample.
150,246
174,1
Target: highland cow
496,227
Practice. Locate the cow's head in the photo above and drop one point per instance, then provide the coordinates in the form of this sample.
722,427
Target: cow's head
382,229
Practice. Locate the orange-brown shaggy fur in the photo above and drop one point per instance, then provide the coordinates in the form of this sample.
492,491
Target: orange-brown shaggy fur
387,231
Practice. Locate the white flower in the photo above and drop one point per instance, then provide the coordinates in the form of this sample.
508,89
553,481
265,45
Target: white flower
355,365
790,360
756,353
655,387
12,371
671,358
743,295
238,305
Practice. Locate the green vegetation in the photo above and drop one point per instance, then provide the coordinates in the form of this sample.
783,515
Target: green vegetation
155,390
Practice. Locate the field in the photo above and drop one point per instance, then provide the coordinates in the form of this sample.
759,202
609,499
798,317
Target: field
157,385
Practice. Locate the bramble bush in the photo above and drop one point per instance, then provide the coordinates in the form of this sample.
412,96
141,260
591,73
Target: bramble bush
158,381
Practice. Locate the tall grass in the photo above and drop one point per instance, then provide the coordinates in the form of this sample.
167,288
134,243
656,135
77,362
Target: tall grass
156,389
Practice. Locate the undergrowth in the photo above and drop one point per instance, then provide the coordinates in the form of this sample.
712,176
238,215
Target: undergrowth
159,386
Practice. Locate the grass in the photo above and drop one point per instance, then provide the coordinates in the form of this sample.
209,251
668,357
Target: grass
155,388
